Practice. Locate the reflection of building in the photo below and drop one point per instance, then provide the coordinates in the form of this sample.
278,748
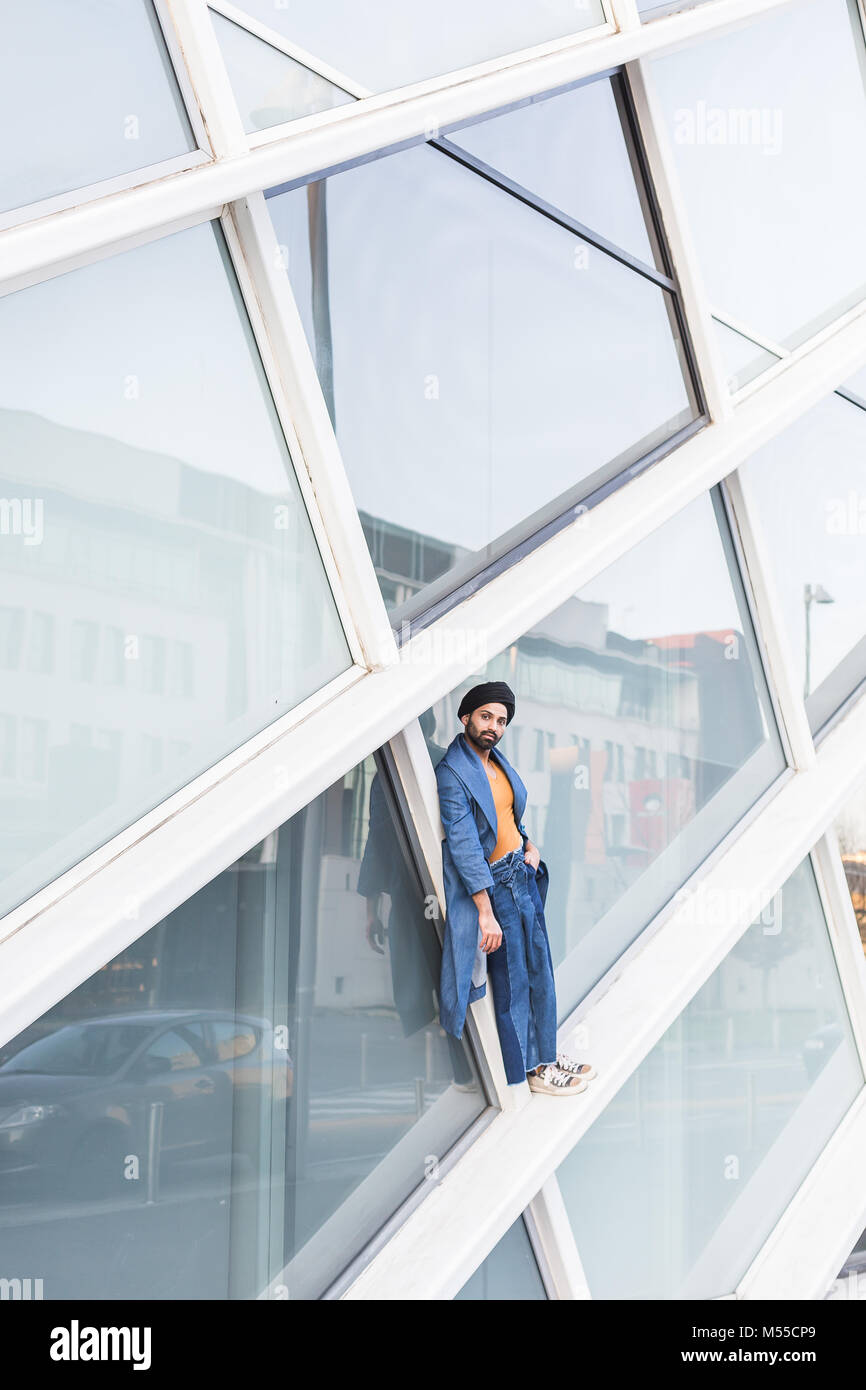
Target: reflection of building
620,742
157,612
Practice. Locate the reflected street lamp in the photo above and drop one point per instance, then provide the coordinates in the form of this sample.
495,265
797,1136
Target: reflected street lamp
812,593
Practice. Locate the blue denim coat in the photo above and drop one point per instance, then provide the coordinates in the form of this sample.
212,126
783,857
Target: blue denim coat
469,821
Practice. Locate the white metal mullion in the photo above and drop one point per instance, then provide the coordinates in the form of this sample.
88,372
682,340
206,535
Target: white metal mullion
745,331
623,14
206,69
783,675
674,213
419,785
100,253
349,132
292,50
329,493
555,1244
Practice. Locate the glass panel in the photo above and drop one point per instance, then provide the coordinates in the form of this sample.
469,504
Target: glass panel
692,1163
481,363
389,43
247,1092
90,93
743,359
768,125
642,732
570,150
814,521
508,1274
163,597
269,86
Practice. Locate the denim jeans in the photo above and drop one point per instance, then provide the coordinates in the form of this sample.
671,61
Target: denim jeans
521,970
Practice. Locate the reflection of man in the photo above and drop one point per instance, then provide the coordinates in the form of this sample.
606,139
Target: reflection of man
495,887
413,949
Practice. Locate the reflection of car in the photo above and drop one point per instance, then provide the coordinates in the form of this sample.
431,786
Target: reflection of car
76,1103
819,1046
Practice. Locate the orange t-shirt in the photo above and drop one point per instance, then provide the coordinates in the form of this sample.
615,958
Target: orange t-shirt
508,837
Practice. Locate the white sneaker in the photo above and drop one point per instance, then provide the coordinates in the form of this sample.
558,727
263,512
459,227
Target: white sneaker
550,1080
584,1069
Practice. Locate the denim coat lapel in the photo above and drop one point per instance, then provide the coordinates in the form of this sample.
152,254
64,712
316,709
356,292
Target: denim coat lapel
467,766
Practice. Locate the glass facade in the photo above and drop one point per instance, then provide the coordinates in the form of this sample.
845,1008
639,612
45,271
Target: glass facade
642,731
116,109
766,124
391,43
238,1101
692,1162
254,1098
447,318
814,524
163,598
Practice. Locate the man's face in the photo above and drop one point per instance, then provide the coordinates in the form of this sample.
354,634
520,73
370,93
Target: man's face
485,725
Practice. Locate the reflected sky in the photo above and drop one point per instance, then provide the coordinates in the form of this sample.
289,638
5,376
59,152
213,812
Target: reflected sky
389,43
570,151
480,361
768,131
115,108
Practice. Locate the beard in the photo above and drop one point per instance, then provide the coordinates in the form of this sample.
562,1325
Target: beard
482,738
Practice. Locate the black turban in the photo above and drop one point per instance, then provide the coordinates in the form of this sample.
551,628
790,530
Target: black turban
491,692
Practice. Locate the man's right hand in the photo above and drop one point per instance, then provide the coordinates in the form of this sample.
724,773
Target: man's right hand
491,932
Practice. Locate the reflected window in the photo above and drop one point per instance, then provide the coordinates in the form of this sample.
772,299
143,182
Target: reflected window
813,521
158,566
694,1160
269,1055
391,43
659,735
767,125
90,93
462,328
509,1273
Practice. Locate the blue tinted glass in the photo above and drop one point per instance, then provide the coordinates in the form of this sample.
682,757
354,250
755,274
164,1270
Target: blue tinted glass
508,1273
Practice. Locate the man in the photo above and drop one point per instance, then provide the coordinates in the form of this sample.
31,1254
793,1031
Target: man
495,888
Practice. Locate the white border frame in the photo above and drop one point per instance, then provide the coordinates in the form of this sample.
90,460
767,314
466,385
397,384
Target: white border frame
61,935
